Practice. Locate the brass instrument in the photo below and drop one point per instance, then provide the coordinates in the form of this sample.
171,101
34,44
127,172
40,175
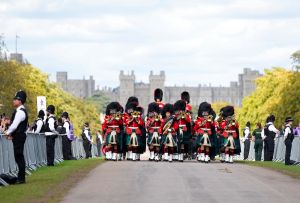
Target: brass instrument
210,118
167,126
156,117
182,115
136,114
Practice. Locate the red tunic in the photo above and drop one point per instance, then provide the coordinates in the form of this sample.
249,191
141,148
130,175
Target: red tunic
109,124
151,124
227,128
200,126
131,123
182,122
161,105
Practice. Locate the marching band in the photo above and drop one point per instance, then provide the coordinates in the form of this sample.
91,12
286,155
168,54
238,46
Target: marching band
169,131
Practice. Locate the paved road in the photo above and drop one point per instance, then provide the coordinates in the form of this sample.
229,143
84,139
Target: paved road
183,182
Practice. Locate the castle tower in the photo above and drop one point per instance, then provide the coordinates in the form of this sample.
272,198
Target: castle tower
91,86
156,81
62,79
126,86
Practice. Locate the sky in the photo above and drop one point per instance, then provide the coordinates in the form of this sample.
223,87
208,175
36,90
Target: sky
193,41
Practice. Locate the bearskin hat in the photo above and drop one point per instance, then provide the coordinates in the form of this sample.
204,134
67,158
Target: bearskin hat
167,108
204,107
180,105
133,99
158,94
113,107
227,111
153,107
130,107
185,96
139,109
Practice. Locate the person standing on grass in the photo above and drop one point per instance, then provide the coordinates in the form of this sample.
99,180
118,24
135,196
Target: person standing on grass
288,140
270,132
258,142
87,140
17,133
51,134
247,140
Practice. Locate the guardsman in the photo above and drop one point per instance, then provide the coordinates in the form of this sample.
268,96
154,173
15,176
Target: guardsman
51,134
204,128
17,133
134,126
112,129
153,126
169,128
270,132
158,97
230,140
185,96
288,140
184,132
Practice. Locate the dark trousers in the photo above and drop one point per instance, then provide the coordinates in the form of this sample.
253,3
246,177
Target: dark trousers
288,145
50,144
18,143
258,149
87,148
269,149
66,148
246,148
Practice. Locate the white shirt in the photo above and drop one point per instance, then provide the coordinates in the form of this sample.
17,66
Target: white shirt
287,131
86,132
272,128
67,127
247,133
39,125
51,126
19,117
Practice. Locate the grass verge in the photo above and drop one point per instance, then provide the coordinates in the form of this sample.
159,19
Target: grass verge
49,184
293,171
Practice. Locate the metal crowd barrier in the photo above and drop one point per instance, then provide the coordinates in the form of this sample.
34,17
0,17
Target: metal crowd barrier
35,153
279,150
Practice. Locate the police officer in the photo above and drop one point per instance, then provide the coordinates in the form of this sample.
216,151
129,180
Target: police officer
87,140
270,132
288,140
51,134
16,133
247,140
39,123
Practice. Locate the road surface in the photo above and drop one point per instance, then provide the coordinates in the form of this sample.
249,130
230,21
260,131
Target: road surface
137,182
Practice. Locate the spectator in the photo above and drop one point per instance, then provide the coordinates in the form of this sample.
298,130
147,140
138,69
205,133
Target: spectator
258,142
247,139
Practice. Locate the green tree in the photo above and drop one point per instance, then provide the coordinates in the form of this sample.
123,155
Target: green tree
16,76
278,93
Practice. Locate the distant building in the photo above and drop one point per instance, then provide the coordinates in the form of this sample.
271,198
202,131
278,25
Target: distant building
232,94
18,57
79,88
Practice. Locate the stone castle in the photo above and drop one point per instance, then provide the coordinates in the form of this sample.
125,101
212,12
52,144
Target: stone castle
79,88
233,94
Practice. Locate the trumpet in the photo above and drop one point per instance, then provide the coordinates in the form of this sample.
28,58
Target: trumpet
182,115
210,118
118,116
136,114
156,117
